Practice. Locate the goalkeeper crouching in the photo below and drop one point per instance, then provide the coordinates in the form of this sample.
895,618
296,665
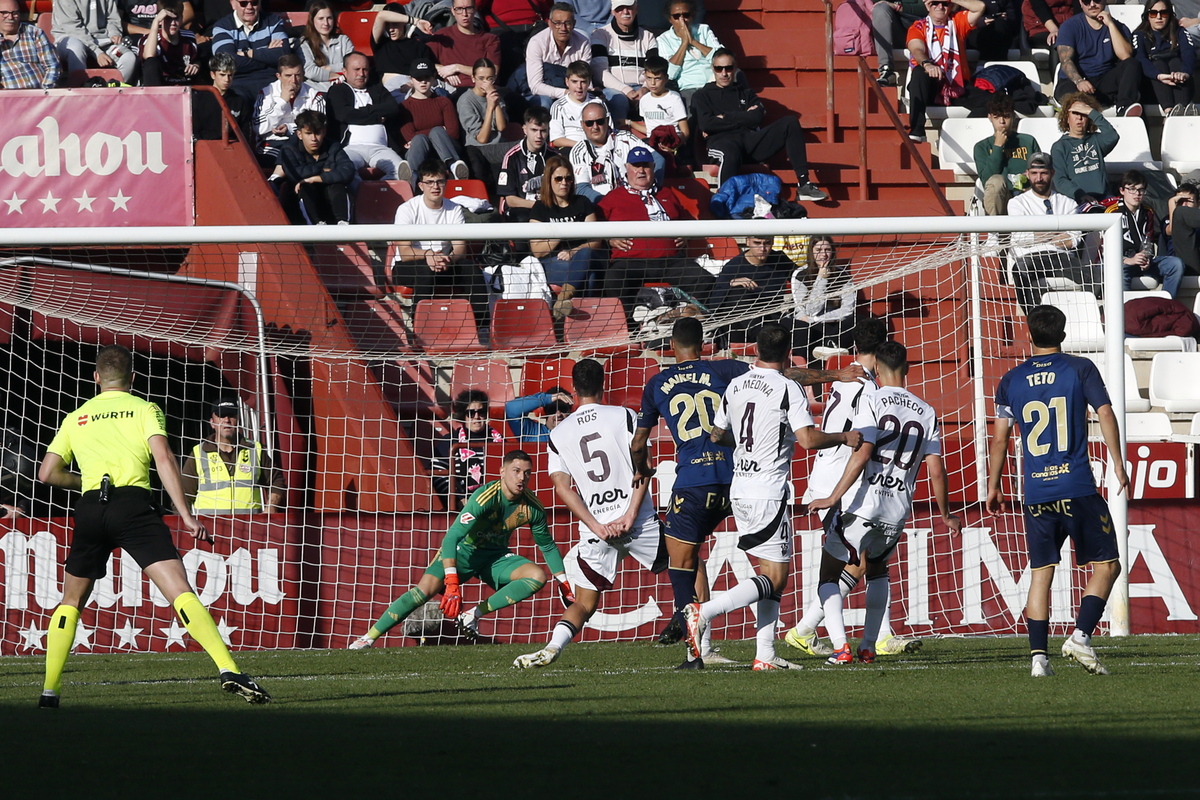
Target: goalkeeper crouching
477,545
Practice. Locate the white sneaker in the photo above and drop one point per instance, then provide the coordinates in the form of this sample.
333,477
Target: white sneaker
404,172
468,625
826,353
547,655
774,663
1084,655
895,645
810,644
714,657
1041,667
361,643
459,170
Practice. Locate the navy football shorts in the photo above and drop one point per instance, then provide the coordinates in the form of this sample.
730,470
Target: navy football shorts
127,521
1085,520
695,512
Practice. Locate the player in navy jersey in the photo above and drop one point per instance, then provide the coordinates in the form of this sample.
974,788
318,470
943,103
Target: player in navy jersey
1047,397
687,395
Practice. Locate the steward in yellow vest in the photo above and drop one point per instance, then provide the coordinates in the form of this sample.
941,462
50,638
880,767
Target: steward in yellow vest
226,473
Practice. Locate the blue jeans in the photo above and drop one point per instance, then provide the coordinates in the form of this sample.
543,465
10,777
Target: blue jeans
573,271
1168,270
438,141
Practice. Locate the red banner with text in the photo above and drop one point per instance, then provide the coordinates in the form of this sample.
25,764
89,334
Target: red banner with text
96,158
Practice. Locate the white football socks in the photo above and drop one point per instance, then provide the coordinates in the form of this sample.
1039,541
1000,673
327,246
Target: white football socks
768,615
563,634
831,600
877,603
739,596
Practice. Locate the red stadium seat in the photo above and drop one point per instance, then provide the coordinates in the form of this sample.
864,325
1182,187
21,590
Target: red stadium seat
522,325
77,77
294,22
490,376
540,374
410,387
598,319
446,327
626,378
723,248
346,268
694,195
357,25
470,188
377,201
45,21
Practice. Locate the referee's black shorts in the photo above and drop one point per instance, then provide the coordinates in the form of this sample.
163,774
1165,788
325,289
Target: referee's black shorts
128,521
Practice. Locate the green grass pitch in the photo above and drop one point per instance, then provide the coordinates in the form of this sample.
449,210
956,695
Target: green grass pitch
961,718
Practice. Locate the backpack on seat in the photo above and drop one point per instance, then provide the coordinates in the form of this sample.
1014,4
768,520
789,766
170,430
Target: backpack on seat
852,29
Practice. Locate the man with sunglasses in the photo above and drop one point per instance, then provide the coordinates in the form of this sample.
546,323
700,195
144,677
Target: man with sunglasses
599,160
938,72
1097,57
688,47
1141,235
730,115
256,40
459,46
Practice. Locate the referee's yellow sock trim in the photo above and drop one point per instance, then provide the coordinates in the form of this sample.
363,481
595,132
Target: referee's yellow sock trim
59,639
200,625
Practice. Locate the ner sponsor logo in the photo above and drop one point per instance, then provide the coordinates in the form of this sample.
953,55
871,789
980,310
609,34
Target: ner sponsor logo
604,498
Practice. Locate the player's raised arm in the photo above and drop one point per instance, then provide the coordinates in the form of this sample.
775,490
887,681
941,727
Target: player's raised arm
997,455
814,377
811,437
937,477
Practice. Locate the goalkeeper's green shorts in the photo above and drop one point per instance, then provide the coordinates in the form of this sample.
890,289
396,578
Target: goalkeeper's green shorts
493,567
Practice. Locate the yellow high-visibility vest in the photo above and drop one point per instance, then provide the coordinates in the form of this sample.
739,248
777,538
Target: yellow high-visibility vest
220,491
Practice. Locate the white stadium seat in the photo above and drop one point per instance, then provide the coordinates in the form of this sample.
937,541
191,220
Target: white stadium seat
1133,149
1175,382
1151,427
956,143
1130,16
1134,402
1085,331
1044,129
1179,137
1135,294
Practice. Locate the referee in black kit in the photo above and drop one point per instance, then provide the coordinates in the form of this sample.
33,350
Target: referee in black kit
112,438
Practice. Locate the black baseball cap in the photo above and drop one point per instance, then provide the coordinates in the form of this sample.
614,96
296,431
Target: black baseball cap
226,407
423,70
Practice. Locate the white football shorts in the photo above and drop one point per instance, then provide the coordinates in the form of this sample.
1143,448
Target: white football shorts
596,568
764,528
854,536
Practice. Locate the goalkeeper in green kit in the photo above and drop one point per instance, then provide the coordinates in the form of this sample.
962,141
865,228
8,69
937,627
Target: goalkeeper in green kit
477,546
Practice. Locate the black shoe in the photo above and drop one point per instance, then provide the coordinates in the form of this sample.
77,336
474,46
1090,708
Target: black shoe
673,633
888,77
236,683
697,663
48,701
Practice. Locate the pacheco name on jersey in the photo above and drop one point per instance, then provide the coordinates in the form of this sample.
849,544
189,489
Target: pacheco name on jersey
905,400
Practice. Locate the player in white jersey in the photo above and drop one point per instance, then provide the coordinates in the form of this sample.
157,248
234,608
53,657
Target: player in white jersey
844,398
763,415
616,515
900,430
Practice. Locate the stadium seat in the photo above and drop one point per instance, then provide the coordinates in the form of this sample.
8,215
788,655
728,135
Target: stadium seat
1173,384
626,378
1179,137
694,195
490,375
1135,294
45,21
446,327
410,387
1133,148
723,248
346,268
522,325
1194,430
539,374
1154,426
1129,16
377,201
597,325
1085,331
470,188
294,22
1134,402
956,144
1044,129
357,25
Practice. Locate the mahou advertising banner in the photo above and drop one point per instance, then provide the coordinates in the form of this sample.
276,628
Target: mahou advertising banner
96,158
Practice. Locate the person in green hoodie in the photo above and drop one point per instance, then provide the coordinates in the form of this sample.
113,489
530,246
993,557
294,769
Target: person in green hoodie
1079,169
1002,158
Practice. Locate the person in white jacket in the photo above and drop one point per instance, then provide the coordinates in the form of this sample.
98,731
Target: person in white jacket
278,104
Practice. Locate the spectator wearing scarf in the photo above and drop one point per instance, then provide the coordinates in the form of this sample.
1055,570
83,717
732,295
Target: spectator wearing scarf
938,72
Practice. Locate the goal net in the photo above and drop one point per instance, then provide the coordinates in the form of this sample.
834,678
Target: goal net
357,397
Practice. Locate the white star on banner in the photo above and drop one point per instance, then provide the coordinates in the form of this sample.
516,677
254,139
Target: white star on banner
49,202
15,204
225,631
85,202
174,634
83,638
33,638
128,635
120,201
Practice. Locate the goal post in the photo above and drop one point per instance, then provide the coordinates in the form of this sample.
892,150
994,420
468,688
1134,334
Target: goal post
351,390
